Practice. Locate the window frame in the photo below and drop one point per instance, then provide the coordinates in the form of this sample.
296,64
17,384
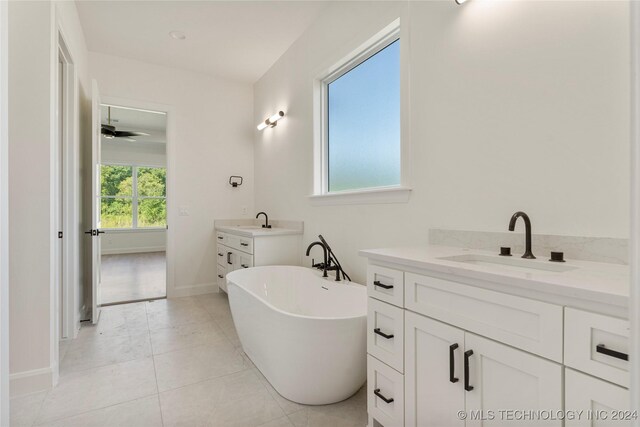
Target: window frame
134,197
380,194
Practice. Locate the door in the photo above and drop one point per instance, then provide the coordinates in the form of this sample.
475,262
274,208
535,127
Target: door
505,386
595,402
95,202
434,392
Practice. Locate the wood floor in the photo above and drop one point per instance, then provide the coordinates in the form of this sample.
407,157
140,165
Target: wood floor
131,277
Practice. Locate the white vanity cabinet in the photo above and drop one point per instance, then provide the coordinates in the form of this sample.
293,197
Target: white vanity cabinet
247,247
456,353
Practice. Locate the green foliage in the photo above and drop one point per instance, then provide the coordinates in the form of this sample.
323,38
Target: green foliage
117,212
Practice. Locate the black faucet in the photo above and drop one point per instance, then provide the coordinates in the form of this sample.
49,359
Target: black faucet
527,226
324,251
266,219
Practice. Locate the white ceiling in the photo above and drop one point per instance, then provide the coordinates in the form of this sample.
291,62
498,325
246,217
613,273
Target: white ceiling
237,40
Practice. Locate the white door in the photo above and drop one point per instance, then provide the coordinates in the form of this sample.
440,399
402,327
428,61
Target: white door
434,392
594,402
95,202
505,386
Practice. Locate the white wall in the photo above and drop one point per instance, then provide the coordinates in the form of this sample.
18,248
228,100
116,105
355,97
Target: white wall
519,105
135,154
4,218
32,64
127,242
212,132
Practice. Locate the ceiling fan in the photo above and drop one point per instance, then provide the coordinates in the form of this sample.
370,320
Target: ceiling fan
110,132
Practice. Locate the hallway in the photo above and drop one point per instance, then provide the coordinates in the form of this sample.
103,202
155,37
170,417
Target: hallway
133,277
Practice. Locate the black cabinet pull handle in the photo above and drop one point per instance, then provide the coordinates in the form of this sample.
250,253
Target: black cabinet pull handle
220,276
229,258
600,348
382,334
382,285
244,266
220,237
377,393
452,373
219,254
244,244
467,355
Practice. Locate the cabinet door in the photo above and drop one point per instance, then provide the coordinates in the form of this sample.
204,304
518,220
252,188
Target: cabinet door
594,402
504,383
434,390
231,260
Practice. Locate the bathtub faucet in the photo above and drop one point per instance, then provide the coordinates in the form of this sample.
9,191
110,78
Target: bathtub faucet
333,259
322,266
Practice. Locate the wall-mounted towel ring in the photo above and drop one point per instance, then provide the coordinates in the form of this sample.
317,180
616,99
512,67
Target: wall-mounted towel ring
235,180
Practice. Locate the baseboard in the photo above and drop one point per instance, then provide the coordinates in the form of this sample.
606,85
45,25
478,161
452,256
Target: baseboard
134,250
27,382
188,291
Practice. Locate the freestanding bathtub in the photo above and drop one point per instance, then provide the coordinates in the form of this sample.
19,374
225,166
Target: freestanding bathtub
306,334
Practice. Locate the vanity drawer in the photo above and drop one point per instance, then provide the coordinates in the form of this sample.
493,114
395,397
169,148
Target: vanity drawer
244,260
244,244
386,284
601,403
222,277
221,237
383,383
385,333
526,324
597,344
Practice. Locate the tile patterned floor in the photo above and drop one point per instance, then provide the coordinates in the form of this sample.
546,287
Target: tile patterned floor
171,362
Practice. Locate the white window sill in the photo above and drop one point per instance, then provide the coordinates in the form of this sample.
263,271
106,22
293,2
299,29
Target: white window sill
132,230
363,197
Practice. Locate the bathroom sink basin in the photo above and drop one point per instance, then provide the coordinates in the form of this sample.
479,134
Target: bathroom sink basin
249,227
509,263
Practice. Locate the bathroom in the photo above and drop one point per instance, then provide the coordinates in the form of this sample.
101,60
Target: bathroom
499,107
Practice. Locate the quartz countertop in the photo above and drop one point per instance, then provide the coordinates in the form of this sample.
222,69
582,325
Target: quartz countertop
601,287
255,231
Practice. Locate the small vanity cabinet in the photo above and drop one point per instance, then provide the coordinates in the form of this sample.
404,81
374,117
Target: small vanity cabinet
446,350
247,245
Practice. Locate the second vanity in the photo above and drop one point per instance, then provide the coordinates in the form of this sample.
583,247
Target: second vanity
245,243
464,337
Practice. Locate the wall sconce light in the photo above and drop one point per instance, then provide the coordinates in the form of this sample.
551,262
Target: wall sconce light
271,121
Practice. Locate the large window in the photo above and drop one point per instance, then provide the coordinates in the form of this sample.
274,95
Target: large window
361,144
133,197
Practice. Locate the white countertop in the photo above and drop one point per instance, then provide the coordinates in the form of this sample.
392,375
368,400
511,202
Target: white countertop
591,285
255,231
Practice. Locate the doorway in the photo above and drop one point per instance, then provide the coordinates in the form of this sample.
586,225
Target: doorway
133,205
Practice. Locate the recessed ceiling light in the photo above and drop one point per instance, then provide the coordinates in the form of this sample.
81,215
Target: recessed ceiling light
178,35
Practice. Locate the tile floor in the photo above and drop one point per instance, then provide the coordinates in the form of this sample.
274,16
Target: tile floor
132,277
171,362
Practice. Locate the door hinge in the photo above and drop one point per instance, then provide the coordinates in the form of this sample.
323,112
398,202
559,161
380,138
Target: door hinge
59,234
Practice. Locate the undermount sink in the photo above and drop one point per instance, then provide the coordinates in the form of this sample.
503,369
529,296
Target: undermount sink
514,264
249,227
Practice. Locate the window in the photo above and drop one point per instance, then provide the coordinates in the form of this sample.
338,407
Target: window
361,139
133,197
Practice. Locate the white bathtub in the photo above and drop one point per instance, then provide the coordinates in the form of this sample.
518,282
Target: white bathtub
307,335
